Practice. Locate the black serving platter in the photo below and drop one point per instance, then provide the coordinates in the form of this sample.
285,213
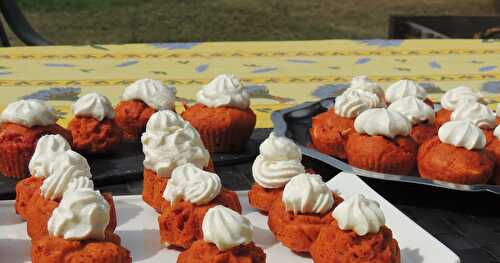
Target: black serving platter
295,123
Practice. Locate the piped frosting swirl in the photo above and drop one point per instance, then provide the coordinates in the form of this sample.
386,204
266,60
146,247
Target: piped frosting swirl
479,114
94,105
451,98
382,122
414,109
404,88
152,92
29,113
307,193
462,134
359,214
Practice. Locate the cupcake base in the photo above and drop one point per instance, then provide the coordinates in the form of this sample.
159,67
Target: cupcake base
263,198
25,189
329,133
131,117
423,131
202,252
92,136
442,116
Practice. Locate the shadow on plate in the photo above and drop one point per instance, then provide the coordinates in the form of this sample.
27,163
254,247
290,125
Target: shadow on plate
143,244
411,256
15,250
264,238
127,212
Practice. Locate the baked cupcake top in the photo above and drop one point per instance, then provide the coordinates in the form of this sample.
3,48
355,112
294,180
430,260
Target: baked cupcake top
414,109
479,114
46,150
496,132
359,214
363,83
152,92
81,215
279,160
68,172
192,184
226,228
224,90
382,122
404,88
169,141
462,134
452,97
307,193
93,105
350,104
29,113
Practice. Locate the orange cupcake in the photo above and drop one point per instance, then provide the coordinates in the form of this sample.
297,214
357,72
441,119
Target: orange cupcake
222,115
139,101
227,238
451,99
77,232
406,88
420,115
493,147
190,192
168,142
93,128
382,143
278,162
22,123
305,207
358,235
456,155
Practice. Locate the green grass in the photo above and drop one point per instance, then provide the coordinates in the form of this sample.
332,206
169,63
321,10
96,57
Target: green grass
131,21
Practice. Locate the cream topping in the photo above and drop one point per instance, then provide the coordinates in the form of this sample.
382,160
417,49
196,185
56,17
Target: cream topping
29,113
152,92
46,150
496,132
224,90
363,83
404,88
414,109
372,100
225,228
382,122
94,105
452,97
462,134
307,193
359,214
349,105
479,114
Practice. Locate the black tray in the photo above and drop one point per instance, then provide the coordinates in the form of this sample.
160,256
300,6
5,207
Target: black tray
295,123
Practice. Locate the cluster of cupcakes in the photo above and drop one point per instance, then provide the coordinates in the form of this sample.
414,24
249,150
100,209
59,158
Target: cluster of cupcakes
398,131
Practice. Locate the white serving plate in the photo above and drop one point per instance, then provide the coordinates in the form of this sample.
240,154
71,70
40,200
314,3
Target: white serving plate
138,228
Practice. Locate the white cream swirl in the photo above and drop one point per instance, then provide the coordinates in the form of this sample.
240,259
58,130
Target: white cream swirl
94,105
452,97
224,90
414,109
462,134
496,132
152,92
279,160
307,193
382,122
404,88
479,114
372,100
226,228
46,150
169,141
81,215
192,184
348,105
66,167
363,83
29,113
359,214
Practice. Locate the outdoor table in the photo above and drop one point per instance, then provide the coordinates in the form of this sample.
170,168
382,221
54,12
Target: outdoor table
277,75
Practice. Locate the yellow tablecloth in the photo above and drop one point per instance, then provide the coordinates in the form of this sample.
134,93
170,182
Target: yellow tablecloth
277,74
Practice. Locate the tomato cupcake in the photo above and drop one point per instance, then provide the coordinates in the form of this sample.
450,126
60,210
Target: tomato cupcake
305,207
279,161
478,114
494,148
139,101
77,232
168,142
456,155
406,88
189,193
222,115
22,123
93,128
357,235
382,143
421,116
227,238
451,99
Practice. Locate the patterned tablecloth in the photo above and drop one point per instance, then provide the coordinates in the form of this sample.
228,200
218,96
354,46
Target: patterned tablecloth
277,74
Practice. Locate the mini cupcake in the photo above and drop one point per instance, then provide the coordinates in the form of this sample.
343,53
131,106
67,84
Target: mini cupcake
421,116
139,101
305,207
77,232
357,235
451,99
479,114
227,238
406,88
279,161
22,123
189,193
168,142
494,149
93,128
456,155
222,115
382,143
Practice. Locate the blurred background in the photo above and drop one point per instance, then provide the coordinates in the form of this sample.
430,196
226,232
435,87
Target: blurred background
78,22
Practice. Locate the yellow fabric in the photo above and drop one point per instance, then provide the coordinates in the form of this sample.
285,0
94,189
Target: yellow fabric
277,74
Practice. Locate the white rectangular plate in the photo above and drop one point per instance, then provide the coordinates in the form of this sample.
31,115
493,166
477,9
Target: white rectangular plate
138,228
